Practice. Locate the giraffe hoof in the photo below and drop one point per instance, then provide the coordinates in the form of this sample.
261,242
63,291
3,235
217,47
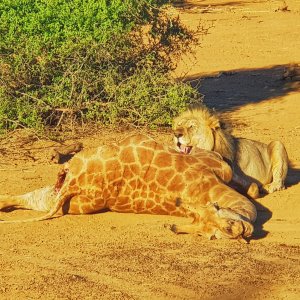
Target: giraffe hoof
174,228
178,202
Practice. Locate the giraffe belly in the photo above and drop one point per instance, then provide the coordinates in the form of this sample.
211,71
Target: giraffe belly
82,204
148,206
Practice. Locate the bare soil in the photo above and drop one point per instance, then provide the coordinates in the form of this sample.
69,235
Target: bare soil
125,256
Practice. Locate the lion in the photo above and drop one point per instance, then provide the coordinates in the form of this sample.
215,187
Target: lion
257,167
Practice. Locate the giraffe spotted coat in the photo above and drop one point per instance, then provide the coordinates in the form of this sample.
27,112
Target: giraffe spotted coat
138,175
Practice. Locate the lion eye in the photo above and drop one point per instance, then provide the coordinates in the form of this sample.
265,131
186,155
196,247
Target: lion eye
228,229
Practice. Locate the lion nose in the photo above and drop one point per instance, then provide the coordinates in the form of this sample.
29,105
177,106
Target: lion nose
178,134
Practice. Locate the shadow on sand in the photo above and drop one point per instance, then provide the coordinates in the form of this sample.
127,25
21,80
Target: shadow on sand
230,90
264,214
185,4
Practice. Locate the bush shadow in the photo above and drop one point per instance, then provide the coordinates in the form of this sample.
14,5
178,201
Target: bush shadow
185,4
229,90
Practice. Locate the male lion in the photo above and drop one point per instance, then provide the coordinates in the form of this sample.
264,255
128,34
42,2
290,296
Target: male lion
257,167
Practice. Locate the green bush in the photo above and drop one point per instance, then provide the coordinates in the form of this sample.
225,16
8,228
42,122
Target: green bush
92,60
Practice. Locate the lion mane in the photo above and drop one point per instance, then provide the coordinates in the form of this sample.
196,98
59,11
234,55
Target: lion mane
257,167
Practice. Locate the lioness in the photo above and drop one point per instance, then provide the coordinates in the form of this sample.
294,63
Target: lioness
257,167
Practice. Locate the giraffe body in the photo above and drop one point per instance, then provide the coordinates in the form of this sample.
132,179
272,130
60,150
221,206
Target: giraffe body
141,176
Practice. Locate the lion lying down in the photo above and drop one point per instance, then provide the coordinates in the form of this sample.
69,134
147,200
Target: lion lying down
257,167
140,176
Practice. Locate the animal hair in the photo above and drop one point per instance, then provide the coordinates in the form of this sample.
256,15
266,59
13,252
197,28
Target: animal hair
224,141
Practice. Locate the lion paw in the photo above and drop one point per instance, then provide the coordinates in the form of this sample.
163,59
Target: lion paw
273,187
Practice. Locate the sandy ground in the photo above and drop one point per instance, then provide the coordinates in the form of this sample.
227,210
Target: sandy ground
124,256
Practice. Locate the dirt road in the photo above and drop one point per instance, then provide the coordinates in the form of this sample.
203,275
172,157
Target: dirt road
124,256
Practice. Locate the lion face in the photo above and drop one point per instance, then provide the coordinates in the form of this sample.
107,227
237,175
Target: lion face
189,133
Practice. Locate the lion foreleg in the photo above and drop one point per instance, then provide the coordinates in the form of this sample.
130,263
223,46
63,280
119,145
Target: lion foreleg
279,166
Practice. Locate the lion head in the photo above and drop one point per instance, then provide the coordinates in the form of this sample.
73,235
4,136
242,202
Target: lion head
201,128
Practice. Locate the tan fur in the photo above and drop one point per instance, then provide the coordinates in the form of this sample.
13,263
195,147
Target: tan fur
139,175
256,166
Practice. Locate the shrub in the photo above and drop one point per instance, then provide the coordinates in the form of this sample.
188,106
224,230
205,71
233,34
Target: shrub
104,61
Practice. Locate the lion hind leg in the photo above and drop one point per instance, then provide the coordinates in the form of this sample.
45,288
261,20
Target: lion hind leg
279,165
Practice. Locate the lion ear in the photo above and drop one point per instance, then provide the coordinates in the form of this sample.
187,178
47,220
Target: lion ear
223,125
216,124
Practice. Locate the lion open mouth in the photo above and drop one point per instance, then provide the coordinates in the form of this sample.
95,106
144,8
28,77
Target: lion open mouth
184,149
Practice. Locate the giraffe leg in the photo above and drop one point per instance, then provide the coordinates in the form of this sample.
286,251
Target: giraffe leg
200,224
39,200
9,201
279,162
200,229
244,185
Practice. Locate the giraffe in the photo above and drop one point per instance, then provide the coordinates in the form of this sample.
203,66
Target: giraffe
138,175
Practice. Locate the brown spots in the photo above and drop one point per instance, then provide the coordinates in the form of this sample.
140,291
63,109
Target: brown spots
127,155
150,195
135,168
127,173
81,179
94,166
112,165
122,207
83,203
73,182
205,184
169,205
150,204
139,205
194,190
113,170
76,166
180,163
106,193
212,163
164,176
191,175
154,187
163,159
190,159
217,191
158,210
150,173
135,194
133,183
145,155
152,145
98,180
177,184
203,197
122,203
144,194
